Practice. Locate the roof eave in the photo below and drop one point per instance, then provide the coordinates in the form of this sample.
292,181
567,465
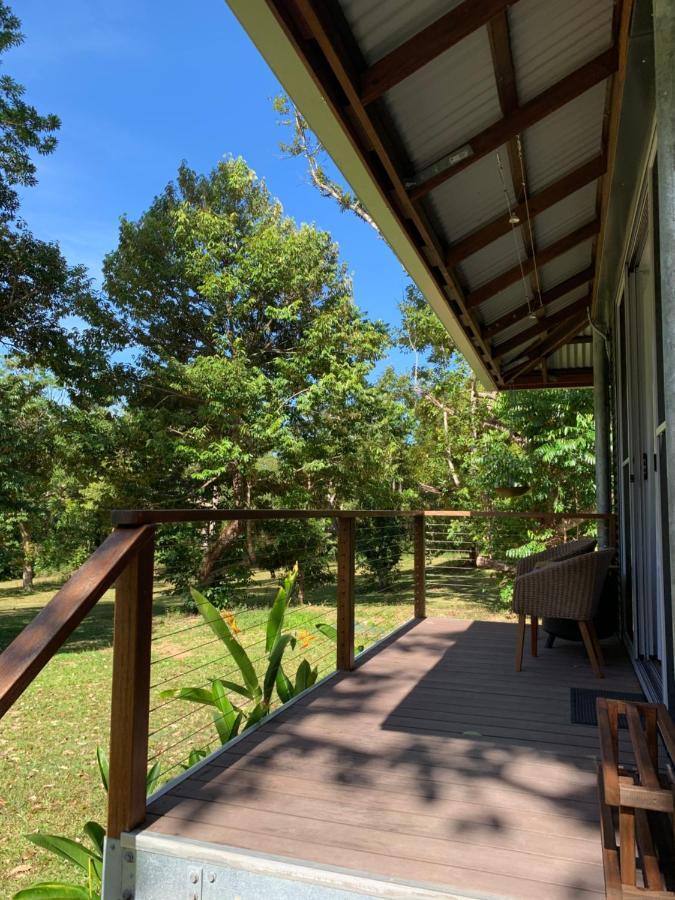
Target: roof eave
278,49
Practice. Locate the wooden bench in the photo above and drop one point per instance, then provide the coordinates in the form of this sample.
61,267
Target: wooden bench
636,801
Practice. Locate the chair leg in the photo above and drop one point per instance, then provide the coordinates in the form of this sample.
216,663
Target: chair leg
520,643
590,648
596,643
534,624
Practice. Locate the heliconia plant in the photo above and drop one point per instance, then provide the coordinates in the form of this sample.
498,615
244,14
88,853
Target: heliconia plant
88,859
227,718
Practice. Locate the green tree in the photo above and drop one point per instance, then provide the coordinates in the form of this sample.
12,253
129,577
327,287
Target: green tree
252,374
39,291
23,129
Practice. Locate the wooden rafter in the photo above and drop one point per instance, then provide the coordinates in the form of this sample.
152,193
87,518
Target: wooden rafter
557,248
547,297
538,202
553,378
313,24
623,12
425,46
549,100
542,327
548,345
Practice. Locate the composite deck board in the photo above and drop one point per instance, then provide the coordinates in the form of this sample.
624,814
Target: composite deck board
434,761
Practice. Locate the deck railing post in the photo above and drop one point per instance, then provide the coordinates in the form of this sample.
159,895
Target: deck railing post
130,703
346,563
419,523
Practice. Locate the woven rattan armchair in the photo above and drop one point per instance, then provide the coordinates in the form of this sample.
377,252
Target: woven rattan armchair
567,589
559,552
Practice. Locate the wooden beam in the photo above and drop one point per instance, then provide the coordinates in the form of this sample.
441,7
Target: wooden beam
562,92
425,46
549,345
556,378
547,297
541,327
538,202
336,71
557,248
622,21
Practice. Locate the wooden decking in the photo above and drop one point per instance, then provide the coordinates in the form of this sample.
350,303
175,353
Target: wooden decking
433,762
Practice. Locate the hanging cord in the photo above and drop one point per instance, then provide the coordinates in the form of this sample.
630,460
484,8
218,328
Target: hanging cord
529,218
603,334
514,221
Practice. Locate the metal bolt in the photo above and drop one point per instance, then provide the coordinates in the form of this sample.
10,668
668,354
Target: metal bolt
211,877
193,896
194,877
128,857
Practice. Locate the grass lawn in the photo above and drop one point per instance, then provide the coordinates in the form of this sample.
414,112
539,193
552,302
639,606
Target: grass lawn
49,779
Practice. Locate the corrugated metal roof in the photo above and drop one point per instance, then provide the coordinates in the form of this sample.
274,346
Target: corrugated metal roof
573,356
568,215
504,302
565,139
565,266
550,39
382,25
450,101
446,102
551,310
472,198
489,262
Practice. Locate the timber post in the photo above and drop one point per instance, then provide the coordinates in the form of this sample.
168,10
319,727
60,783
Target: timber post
129,714
419,543
346,564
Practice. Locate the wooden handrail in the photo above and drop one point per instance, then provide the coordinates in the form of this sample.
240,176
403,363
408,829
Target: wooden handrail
513,514
32,649
128,517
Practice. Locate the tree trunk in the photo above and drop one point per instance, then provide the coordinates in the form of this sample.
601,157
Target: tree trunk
28,551
227,535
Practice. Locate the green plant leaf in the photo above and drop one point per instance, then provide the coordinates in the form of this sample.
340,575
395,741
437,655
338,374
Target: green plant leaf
103,767
257,713
305,677
328,630
273,666
195,756
226,718
65,848
96,833
238,689
151,778
192,694
55,890
275,619
284,686
219,627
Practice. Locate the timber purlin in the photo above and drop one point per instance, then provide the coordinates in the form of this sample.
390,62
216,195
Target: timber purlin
636,801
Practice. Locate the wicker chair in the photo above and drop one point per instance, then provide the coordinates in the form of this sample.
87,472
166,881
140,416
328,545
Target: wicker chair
553,554
567,589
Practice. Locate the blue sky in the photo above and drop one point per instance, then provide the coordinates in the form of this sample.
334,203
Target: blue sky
140,85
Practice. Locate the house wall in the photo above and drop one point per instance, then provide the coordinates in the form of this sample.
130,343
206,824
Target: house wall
664,41
634,262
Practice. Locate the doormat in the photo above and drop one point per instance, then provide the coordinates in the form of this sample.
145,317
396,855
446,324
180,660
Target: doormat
582,704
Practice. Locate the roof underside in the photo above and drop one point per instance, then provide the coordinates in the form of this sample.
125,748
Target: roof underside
488,130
